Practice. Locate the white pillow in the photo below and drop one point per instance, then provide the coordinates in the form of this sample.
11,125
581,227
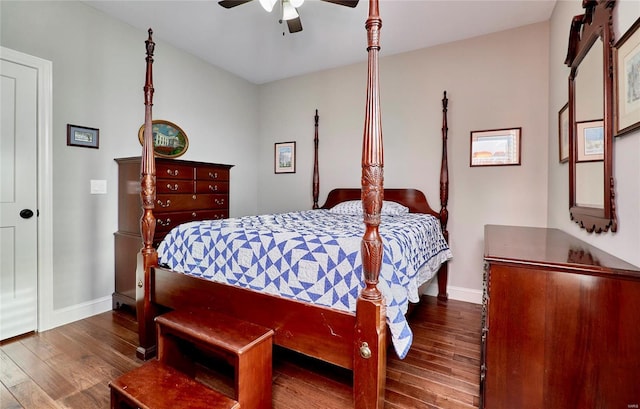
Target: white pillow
354,207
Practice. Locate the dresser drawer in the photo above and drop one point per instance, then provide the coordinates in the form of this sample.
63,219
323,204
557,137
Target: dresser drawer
212,186
177,202
167,221
166,170
174,186
212,173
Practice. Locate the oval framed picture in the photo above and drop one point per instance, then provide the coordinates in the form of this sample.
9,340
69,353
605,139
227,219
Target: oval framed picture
169,140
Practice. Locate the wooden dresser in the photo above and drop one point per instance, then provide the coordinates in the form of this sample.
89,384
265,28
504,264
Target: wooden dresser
186,191
561,323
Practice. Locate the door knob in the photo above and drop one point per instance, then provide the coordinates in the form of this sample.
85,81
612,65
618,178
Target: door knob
26,213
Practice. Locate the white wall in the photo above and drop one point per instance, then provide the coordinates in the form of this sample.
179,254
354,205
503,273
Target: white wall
495,81
625,243
98,75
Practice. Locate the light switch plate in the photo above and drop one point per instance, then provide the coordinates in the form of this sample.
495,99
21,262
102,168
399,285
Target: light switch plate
98,187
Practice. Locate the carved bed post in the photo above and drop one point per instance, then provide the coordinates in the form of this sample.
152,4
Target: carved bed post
148,256
316,174
370,356
444,199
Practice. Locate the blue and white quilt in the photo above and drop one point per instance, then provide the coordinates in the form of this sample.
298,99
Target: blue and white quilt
313,256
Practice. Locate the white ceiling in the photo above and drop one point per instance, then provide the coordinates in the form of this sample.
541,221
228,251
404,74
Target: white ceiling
248,41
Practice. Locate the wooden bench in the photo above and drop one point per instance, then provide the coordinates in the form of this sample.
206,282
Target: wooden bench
158,386
247,346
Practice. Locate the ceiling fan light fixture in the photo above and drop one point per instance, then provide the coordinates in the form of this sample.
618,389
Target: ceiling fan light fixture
268,4
296,3
288,11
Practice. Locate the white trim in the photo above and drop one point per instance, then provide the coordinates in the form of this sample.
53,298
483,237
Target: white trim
457,293
45,179
77,312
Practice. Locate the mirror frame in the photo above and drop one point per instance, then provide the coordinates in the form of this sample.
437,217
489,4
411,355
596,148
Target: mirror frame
595,24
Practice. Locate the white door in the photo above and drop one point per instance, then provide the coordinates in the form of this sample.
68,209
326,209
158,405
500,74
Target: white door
18,199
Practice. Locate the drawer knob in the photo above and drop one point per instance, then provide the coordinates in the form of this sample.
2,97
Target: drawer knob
164,223
213,188
173,172
213,175
174,187
218,201
365,351
164,204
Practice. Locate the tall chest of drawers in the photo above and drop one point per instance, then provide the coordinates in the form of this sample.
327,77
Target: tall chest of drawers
561,325
185,191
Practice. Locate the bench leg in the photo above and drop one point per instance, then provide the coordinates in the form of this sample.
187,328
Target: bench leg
253,376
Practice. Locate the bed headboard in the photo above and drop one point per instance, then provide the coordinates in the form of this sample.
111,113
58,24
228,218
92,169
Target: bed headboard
414,199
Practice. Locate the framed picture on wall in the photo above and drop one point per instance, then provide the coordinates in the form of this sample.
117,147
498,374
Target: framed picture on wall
82,136
169,140
495,147
590,139
285,157
563,133
626,59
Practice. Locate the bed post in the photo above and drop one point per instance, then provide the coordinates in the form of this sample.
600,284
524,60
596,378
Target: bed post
316,173
370,357
148,256
444,199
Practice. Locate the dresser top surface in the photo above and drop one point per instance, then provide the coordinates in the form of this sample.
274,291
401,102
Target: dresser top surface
551,248
136,159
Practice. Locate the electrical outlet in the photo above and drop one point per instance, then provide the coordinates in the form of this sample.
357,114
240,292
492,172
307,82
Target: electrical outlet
98,187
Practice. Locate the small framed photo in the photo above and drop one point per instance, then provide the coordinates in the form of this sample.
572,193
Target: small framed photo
285,157
626,60
495,147
563,133
82,136
590,139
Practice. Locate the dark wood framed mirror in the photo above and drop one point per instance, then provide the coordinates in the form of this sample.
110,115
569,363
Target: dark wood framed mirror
590,57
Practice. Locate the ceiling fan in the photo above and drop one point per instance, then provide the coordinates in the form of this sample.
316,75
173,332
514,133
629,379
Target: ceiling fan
289,9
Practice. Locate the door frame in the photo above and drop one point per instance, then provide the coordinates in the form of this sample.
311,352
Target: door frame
44,165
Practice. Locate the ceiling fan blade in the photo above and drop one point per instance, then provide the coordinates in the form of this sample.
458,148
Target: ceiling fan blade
348,3
227,4
295,25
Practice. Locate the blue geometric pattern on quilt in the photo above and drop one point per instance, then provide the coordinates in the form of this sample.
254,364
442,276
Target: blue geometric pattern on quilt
312,256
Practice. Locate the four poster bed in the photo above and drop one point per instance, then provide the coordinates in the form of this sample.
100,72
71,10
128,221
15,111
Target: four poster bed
349,328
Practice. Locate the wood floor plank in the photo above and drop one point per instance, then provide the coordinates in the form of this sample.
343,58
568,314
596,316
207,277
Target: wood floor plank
110,323
124,347
10,373
426,396
94,397
7,400
31,396
103,348
44,376
40,347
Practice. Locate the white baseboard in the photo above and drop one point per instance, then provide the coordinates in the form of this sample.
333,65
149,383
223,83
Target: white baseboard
457,293
76,312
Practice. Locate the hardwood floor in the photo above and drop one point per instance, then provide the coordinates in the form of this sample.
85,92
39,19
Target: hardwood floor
71,366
